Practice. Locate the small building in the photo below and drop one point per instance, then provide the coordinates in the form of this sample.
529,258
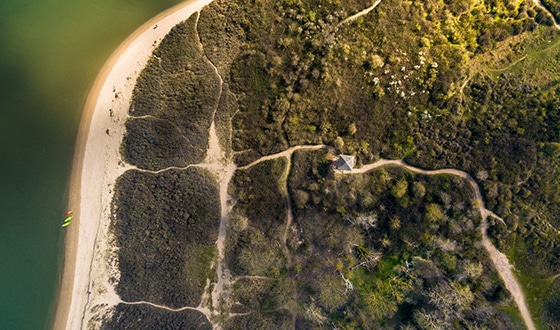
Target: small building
345,163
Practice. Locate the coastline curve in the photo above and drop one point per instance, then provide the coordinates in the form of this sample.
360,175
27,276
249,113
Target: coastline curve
97,163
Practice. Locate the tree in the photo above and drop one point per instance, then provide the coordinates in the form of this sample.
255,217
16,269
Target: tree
418,189
366,221
368,258
339,143
352,129
395,223
434,212
426,320
379,304
472,270
300,198
400,188
482,175
450,299
314,314
332,292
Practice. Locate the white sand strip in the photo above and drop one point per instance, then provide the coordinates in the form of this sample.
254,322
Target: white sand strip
96,166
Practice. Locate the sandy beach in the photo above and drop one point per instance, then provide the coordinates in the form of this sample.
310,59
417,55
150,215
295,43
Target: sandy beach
89,263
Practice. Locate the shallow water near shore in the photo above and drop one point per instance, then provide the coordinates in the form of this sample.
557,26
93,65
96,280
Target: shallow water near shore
51,53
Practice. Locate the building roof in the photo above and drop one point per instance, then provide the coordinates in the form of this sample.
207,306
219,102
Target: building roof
345,163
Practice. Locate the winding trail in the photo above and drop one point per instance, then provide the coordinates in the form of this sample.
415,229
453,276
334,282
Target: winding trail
161,306
211,305
286,153
500,260
90,266
361,13
223,168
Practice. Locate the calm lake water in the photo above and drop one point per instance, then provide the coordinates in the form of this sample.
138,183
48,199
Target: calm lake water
50,53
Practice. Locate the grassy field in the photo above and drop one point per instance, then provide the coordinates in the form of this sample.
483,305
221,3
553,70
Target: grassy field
535,290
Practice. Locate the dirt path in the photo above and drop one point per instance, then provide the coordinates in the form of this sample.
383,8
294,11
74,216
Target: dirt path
362,13
165,307
222,290
223,168
286,153
500,260
286,194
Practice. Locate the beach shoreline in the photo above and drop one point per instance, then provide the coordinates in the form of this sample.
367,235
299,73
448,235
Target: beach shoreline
97,164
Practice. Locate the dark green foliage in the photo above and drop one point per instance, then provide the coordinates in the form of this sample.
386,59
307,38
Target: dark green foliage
281,319
221,31
165,225
554,7
251,129
179,49
499,234
495,139
258,220
262,294
180,87
297,73
252,253
149,318
148,91
532,210
152,144
307,168
535,253
552,306
259,196
421,254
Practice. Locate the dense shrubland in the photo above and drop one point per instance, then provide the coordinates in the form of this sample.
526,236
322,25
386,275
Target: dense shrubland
301,77
405,242
257,221
440,84
166,225
178,91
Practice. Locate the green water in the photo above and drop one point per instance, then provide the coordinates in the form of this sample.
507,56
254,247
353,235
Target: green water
50,53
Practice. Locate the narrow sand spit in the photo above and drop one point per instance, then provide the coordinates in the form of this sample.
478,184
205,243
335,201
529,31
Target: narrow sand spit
96,166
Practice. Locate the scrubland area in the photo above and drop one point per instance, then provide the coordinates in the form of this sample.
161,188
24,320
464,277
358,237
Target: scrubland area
439,84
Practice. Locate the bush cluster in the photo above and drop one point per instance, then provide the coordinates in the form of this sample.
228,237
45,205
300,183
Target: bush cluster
165,225
406,242
179,90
